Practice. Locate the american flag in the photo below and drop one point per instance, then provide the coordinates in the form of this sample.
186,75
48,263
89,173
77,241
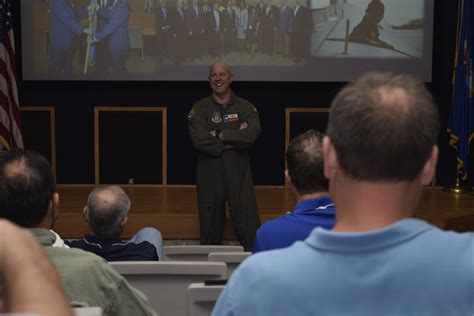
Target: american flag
10,134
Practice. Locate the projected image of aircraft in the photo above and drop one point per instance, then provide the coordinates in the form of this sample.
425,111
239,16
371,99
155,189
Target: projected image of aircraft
368,28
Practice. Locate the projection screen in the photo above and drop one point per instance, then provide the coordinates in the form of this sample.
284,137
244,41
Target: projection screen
263,40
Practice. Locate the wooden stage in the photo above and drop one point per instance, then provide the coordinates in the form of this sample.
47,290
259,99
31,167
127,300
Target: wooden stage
173,209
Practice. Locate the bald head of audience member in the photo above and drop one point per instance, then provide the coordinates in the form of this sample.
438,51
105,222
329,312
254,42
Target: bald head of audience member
380,149
27,189
304,158
107,211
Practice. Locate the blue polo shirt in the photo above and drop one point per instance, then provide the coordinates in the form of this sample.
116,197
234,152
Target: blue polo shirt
408,268
284,230
114,249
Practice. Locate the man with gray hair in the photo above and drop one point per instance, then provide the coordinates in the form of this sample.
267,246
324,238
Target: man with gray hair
379,152
28,198
107,213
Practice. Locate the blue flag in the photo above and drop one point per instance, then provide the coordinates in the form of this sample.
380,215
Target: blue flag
461,117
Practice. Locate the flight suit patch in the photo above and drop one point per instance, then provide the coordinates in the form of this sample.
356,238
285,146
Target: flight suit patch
216,117
191,113
228,118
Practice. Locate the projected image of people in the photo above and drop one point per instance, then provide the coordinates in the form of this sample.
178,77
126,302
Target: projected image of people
264,40
104,49
65,31
139,36
368,28
111,37
239,31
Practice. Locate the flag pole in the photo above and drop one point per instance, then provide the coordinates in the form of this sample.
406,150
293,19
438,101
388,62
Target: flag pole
458,188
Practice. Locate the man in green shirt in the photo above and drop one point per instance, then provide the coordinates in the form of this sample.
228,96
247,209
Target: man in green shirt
223,127
28,199
30,284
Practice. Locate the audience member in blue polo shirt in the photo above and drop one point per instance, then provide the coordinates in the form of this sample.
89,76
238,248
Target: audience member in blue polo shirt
107,213
315,208
379,151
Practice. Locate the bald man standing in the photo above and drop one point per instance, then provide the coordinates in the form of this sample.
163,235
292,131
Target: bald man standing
223,127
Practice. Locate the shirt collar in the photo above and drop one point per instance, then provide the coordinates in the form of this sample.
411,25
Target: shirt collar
102,240
396,233
44,236
231,100
318,204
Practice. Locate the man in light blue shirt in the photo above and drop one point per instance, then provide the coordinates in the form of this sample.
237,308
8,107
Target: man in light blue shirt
304,158
380,150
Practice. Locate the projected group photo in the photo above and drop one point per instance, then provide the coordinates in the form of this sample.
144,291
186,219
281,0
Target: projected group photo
270,40
171,32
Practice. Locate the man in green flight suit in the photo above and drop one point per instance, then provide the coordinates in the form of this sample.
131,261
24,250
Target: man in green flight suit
223,127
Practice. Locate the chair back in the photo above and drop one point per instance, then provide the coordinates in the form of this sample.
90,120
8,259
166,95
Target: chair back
165,283
231,259
202,298
196,252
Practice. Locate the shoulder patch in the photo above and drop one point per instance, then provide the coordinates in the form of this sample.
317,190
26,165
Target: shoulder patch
191,113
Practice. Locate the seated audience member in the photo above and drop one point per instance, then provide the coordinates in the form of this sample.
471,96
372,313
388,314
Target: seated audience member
28,199
30,284
380,150
315,208
106,212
